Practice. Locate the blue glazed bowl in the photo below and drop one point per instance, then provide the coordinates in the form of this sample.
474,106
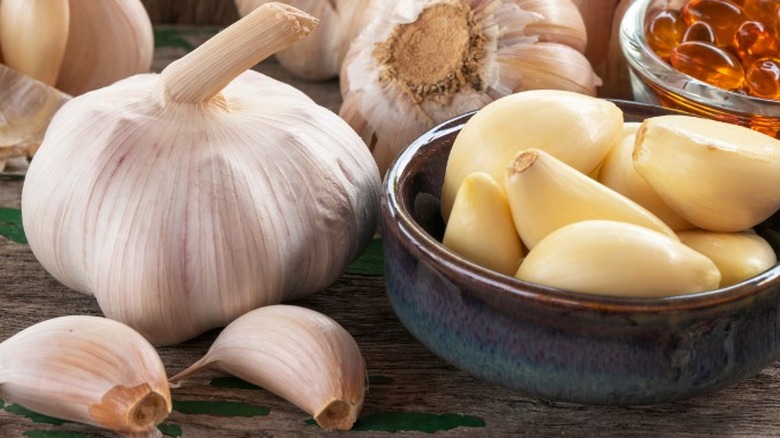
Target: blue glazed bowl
556,344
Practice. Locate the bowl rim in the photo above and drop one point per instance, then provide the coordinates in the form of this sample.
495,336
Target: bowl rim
644,61
455,265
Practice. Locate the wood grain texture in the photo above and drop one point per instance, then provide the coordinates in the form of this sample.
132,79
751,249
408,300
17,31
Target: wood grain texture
408,379
191,12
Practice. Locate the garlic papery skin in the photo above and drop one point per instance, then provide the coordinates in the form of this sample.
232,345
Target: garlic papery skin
417,63
318,57
738,256
86,369
716,175
480,227
615,258
617,172
186,199
577,129
545,194
298,354
76,45
561,23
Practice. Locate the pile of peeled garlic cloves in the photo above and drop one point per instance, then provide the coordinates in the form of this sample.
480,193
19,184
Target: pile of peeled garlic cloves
199,198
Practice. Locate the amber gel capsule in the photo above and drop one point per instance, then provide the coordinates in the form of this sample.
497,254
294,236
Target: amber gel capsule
708,63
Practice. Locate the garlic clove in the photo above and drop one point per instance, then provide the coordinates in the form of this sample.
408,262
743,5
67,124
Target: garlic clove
320,56
480,227
738,256
618,173
86,369
298,354
549,66
34,34
617,258
186,199
562,23
718,176
575,128
107,41
546,194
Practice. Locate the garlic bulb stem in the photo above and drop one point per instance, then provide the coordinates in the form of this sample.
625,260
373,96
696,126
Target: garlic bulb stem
204,72
87,369
301,355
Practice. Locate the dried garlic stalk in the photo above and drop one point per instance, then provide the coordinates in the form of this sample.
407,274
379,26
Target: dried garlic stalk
87,369
417,63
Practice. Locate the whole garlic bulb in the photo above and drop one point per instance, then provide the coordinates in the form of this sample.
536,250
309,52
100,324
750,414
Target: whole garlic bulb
185,199
76,45
318,57
417,63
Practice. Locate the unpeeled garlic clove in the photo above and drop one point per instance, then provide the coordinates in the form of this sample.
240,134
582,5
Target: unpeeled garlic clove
617,172
480,227
86,369
561,22
298,354
738,255
617,258
34,34
718,176
545,194
549,66
575,128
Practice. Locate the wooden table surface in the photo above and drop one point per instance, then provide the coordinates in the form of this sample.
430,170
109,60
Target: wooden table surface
412,392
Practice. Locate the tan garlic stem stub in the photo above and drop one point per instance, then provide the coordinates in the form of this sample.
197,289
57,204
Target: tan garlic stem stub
87,369
34,34
223,57
301,355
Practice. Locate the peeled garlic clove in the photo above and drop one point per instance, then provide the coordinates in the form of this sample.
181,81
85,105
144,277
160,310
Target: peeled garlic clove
561,23
545,194
318,57
107,41
618,173
33,35
617,258
418,63
186,199
574,128
298,354
480,227
718,176
26,108
738,256
86,369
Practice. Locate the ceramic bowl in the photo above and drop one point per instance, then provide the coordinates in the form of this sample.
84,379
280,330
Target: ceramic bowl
555,344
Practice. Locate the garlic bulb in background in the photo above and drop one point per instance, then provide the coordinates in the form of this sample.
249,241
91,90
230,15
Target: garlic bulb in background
87,369
319,56
417,63
185,199
76,45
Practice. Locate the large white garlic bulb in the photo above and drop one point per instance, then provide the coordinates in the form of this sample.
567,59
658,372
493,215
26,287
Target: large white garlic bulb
185,199
417,63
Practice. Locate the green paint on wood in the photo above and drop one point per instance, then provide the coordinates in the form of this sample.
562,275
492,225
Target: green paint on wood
379,380
34,416
11,177
2,404
412,422
53,434
11,224
370,261
171,38
232,383
219,408
169,429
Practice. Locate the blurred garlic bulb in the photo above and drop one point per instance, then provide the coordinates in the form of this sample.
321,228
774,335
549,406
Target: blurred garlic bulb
417,63
87,369
76,45
185,199
301,355
319,56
